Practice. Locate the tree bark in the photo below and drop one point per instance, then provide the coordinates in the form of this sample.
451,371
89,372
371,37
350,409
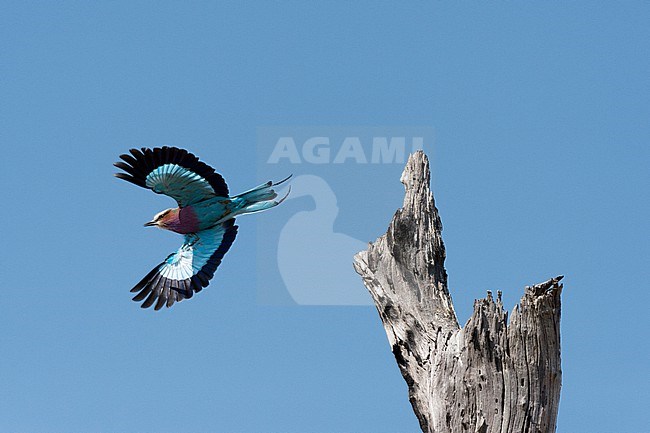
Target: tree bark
490,376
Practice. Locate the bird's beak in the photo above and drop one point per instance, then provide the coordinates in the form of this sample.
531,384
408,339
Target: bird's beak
149,224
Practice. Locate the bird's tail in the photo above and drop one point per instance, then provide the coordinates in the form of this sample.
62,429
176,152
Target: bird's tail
260,198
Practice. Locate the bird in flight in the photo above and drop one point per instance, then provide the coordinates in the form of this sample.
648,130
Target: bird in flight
205,216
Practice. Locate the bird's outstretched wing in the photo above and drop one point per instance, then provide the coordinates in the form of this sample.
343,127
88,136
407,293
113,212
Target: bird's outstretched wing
189,269
173,172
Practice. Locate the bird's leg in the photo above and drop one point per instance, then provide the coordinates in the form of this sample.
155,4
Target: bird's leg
192,238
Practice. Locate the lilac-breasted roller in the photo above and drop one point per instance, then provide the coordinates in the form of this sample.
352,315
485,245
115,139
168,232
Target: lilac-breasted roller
205,215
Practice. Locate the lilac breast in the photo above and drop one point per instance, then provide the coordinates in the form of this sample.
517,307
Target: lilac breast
187,222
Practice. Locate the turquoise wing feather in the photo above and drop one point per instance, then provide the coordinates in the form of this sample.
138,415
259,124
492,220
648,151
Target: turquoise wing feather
174,172
189,269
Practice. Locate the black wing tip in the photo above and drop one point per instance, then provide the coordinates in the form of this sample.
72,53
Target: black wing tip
157,291
185,294
129,178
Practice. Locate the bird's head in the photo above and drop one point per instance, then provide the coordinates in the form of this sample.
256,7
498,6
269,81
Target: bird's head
162,219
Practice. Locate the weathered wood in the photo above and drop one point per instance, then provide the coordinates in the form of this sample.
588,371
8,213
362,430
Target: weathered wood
490,376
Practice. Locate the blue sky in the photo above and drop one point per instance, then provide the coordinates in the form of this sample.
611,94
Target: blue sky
540,167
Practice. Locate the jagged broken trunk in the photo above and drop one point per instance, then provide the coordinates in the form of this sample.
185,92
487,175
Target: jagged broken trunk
490,376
